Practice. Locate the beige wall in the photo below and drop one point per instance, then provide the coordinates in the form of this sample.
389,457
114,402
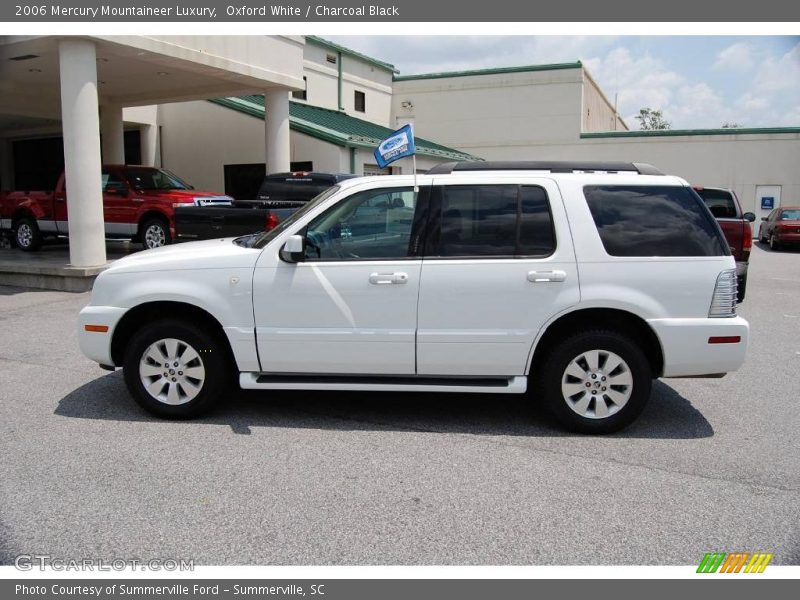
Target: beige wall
199,138
598,112
488,113
323,77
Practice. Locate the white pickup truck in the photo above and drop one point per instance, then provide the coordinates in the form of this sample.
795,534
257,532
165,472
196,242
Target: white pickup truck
578,283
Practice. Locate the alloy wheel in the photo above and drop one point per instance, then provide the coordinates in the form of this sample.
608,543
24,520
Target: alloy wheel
172,371
597,384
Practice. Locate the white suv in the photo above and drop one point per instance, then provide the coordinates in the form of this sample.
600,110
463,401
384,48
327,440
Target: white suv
575,282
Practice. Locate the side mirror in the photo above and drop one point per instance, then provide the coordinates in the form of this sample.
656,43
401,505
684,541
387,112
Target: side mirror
750,216
294,250
763,218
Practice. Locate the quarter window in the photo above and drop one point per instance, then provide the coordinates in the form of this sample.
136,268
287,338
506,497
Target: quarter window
370,225
495,220
638,220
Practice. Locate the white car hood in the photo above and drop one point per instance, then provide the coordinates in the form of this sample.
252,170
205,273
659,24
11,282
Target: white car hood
206,254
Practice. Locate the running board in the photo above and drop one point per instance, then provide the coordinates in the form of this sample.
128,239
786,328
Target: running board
483,385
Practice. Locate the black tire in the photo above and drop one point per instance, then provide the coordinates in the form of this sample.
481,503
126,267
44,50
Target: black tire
154,233
213,357
553,371
773,243
27,235
741,288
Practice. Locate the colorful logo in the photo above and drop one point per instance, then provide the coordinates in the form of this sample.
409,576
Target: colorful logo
734,562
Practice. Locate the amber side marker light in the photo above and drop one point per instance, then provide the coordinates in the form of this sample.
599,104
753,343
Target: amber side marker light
725,339
96,328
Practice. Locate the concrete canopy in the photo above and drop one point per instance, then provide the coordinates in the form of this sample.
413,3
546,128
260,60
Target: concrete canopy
145,70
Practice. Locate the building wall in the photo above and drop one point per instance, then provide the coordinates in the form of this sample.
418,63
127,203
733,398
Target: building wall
484,114
322,84
199,138
598,111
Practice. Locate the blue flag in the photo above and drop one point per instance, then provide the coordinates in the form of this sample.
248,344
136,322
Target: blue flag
398,145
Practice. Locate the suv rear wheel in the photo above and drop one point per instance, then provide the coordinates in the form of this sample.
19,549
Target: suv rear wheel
175,370
596,382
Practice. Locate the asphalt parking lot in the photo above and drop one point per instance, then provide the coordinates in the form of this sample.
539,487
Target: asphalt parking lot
355,478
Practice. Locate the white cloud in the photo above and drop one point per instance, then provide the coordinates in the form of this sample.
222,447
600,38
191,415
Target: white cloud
779,74
738,56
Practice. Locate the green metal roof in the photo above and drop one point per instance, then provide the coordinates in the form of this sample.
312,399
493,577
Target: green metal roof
337,48
337,127
679,132
496,71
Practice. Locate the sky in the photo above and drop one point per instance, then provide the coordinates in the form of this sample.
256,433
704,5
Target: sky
698,82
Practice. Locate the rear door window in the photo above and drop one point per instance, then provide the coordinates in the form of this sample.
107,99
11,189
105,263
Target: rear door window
720,203
639,220
492,220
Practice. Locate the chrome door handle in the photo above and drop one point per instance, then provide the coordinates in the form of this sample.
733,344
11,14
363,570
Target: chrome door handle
545,276
387,278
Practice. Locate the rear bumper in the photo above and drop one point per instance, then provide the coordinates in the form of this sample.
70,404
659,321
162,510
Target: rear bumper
94,344
687,351
741,268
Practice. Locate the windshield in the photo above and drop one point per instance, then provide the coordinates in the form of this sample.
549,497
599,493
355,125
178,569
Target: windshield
790,215
144,178
270,235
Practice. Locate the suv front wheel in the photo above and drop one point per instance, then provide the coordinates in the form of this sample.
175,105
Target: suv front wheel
596,382
175,370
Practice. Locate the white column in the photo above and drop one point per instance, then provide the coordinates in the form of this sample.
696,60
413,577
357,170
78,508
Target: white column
112,136
149,146
81,128
276,130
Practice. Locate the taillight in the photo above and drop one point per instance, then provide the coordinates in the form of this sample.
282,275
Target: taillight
723,302
747,244
272,221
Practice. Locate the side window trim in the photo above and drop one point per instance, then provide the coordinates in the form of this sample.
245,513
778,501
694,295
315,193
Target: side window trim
433,227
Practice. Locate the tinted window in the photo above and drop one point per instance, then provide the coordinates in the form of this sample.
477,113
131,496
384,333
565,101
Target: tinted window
653,221
536,235
790,215
720,203
370,225
494,220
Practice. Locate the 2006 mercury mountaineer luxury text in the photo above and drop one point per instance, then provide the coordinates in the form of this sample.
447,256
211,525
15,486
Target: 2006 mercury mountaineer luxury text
575,282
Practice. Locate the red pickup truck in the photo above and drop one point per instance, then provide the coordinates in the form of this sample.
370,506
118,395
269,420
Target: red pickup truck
725,206
138,204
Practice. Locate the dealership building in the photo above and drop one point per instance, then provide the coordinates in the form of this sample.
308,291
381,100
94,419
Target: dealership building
221,111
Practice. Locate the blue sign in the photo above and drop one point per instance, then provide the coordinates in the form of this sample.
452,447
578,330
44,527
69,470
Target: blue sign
767,202
398,145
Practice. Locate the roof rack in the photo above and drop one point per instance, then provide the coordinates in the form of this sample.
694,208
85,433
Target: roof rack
554,166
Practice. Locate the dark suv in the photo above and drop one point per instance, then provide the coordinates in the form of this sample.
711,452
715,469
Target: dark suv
735,224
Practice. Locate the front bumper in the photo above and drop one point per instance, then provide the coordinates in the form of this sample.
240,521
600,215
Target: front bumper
96,345
687,351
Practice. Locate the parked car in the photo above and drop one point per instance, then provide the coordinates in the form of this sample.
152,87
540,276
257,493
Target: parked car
578,287
780,227
735,224
138,204
278,197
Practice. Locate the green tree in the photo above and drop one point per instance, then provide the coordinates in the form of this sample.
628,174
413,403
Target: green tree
650,119
731,125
